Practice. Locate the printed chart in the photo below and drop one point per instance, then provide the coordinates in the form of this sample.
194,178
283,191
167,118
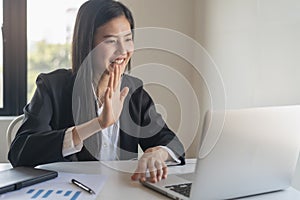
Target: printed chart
52,194
60,188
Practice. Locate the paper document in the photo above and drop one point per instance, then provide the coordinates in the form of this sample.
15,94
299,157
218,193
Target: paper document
60,188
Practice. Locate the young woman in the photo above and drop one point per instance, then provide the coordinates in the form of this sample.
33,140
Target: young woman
95,111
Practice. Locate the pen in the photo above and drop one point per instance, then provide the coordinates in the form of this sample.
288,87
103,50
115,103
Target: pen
82,186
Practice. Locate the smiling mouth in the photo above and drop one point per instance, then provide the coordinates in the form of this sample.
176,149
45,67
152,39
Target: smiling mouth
119,61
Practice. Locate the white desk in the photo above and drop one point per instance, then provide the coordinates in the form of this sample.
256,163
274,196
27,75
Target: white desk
120,186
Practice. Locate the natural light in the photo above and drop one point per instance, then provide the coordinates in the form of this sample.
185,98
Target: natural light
49,33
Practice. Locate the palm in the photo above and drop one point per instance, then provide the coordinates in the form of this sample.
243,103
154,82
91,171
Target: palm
113,100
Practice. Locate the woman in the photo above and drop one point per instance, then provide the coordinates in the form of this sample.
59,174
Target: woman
95,111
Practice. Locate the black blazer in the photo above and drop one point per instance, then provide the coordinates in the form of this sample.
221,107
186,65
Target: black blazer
39,140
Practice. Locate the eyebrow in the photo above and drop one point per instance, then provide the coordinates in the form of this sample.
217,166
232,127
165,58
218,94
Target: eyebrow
107,36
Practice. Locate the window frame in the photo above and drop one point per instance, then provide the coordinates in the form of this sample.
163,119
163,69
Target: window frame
14,33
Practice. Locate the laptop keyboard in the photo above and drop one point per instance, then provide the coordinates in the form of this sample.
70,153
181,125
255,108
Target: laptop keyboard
183,189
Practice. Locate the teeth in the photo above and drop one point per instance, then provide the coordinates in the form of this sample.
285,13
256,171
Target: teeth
119,61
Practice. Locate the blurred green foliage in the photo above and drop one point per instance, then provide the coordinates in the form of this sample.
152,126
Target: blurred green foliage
44,57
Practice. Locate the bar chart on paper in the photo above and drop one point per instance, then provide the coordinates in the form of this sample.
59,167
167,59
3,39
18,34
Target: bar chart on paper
53,194
60,188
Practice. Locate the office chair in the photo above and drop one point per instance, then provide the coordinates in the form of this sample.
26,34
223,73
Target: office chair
13,128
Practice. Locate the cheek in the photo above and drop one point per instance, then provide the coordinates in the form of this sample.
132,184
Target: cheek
106,53
101,58
129,47
103,55
130,53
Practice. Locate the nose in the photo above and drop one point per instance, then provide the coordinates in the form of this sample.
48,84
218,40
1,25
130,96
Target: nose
121,49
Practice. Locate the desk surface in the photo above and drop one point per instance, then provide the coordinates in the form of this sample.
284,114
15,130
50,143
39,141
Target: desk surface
120,186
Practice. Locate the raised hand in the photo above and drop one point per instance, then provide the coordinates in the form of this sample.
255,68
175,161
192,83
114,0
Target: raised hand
113,99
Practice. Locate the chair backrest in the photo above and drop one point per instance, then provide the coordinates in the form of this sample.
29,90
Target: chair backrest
13,128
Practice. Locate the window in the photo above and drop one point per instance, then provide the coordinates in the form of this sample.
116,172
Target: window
1,57
49,35
14,57
36,38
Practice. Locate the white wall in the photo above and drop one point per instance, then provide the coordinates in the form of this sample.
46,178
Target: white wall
177,15
4,122
256,46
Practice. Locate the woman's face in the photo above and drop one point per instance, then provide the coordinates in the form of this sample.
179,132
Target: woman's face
113,44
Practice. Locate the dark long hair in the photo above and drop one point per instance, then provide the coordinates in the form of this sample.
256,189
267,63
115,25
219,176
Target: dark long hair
91,15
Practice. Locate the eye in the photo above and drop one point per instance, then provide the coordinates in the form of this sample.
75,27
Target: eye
128,39
110,41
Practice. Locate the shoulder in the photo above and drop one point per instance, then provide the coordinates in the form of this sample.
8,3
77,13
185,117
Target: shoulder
136,89
56,83
59,77
56,75
132,82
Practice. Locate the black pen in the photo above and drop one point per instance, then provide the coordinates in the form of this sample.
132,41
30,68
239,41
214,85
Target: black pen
82,186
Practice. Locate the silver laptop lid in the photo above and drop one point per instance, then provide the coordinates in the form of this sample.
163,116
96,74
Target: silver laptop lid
254,151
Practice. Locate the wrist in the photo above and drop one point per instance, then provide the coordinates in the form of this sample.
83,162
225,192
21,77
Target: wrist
101,122
163,153
87,129
75,136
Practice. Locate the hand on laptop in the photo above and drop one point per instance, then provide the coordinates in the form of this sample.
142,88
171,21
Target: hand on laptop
154,160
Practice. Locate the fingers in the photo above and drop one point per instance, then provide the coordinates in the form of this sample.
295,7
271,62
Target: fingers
111,83
116,77
114,80
165,170
140,172
135,176
157,170
152,170
124,93
107,96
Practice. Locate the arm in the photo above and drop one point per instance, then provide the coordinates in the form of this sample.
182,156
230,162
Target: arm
158,133
39,142
154,136
36,141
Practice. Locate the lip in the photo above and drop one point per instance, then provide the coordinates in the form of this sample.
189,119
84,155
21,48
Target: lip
113,63
118,58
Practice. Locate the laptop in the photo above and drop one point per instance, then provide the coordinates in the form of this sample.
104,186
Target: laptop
19,177
243,152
